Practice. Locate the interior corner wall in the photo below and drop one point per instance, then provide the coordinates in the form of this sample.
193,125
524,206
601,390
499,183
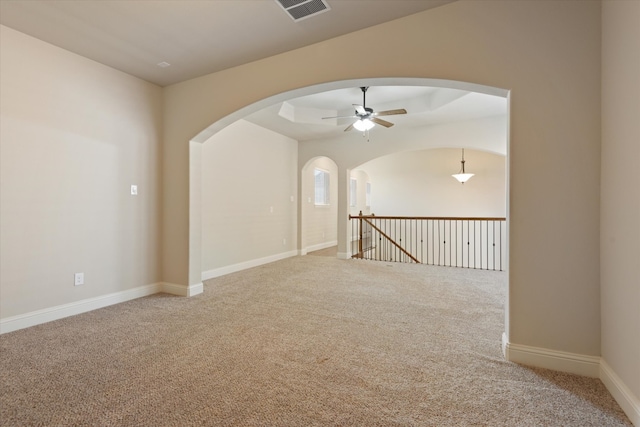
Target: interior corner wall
74,136
620,201
545,53
249,197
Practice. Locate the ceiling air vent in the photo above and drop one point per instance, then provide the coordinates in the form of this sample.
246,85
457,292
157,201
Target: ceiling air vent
303,9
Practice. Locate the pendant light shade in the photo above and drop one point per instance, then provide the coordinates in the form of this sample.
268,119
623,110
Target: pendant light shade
462,176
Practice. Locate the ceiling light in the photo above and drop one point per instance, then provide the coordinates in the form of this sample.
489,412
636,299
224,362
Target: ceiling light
462,176
363,125
163,64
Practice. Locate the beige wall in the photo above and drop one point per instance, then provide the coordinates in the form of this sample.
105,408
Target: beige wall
75,135
419,183
249,176
620,201
554,79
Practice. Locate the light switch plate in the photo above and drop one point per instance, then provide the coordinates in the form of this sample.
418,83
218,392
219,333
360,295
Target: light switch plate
134,190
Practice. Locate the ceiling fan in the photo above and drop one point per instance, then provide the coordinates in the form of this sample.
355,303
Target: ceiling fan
367,118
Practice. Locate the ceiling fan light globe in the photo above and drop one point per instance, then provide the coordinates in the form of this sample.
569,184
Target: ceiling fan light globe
363,125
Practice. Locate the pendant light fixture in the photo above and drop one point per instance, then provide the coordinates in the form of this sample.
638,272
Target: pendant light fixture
461,176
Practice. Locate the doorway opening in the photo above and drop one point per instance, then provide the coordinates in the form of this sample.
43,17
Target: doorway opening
437,101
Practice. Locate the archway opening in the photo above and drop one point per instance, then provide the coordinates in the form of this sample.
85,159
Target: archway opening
318,205
348,156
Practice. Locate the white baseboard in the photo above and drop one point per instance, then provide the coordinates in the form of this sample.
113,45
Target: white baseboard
10,324
217,272
182,290
504,345
629,403
590,366
556,360
344,255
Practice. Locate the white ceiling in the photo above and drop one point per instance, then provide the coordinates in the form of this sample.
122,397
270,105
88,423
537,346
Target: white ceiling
204,36
196,37
425,106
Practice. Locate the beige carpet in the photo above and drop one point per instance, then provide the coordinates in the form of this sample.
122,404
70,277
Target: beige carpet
330,252
307,341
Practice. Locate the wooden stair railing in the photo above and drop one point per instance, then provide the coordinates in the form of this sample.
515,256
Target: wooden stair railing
471,242
391,241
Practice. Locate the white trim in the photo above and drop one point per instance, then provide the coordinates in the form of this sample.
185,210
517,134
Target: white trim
504,345
344,255
217,272
196,289
552,359
591,366
182,290
629,403
38,317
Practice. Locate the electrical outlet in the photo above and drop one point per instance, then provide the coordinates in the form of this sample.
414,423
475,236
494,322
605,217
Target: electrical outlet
78,279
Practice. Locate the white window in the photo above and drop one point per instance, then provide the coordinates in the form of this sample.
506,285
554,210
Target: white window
321,179
353,198
368,195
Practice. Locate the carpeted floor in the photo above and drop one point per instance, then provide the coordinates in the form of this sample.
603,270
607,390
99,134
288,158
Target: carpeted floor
307,341
330,252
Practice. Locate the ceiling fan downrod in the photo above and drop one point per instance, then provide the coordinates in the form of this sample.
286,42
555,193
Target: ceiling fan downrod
364,95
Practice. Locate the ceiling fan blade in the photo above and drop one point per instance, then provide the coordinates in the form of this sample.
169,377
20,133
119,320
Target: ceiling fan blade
381,122
360,109
341,117
348,128
391,112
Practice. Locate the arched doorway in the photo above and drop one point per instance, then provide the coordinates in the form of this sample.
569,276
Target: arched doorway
336,150
318,205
